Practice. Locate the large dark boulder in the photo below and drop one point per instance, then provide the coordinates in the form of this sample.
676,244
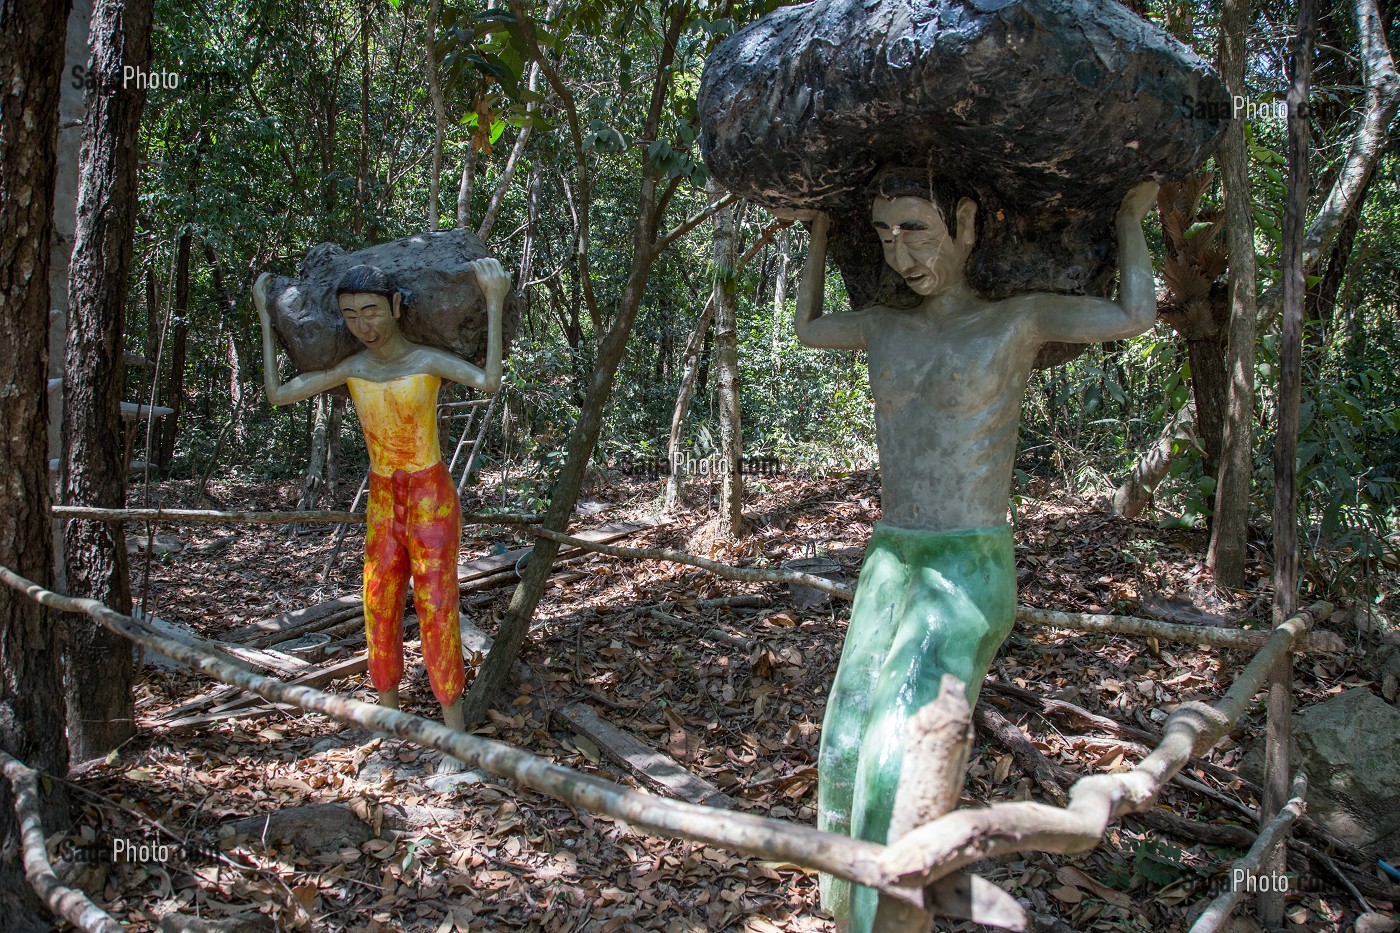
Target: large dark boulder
444,308
1046,111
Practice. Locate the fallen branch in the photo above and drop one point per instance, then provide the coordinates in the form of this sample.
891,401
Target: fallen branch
853,859
1219,910
1169,631
70,904
1030,759
211,516
941,847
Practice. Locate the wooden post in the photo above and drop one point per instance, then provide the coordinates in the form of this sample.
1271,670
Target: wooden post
1280,708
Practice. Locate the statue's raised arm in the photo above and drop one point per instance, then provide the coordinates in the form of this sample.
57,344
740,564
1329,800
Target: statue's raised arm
1083,319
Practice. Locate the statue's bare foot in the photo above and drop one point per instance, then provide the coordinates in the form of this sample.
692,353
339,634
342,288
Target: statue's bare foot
450,765
452,719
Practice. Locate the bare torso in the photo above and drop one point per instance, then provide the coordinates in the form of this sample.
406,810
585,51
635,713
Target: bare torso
947,384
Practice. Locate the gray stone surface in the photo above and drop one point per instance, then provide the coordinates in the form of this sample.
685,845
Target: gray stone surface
1349,747
1047,111
444,309
319,827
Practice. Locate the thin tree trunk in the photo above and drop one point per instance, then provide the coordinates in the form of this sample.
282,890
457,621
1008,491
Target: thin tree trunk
72,105
439,111
676,480
314,479
337,419
31,685
179,337
1280,703
516,624
101,711
466,186
1210,384
512,162
362,175
780,289
1152,467
731,432
231,325
1230,530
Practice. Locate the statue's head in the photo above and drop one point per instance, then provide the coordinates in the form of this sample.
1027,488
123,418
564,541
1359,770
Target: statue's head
926,230
371,305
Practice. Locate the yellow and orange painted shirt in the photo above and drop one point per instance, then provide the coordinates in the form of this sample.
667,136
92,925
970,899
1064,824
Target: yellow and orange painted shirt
400,421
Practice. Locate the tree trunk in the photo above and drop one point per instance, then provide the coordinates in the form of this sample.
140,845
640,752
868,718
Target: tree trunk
676,479
179,340
466,186
780,289
724,258
72,105
101,711
1320,305
1210,385
1152,467
1230,528
314,480
1279,724
516,624
31,686
337,419
362,206
439,111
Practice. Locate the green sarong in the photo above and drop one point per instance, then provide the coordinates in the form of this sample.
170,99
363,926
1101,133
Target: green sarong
927,604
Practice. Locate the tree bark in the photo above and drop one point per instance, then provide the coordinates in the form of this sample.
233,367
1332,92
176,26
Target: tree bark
1230,530
101,712
488,221
179,341
1291,270
1152,467
31,686
724,259
439,111
676,479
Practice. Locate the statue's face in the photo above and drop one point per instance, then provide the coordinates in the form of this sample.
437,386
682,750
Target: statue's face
373,319
917,243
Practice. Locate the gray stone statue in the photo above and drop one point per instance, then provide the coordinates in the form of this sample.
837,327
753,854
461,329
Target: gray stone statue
1023,134
937,591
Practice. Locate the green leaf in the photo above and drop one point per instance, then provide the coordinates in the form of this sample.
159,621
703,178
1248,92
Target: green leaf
1196,229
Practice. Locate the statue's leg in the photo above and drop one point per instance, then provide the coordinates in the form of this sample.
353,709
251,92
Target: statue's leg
435,522
385,585
880,594
960,607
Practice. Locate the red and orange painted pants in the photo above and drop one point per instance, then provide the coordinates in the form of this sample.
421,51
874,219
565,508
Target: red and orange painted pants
414,525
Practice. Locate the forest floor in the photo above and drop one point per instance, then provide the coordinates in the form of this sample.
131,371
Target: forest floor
490,856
